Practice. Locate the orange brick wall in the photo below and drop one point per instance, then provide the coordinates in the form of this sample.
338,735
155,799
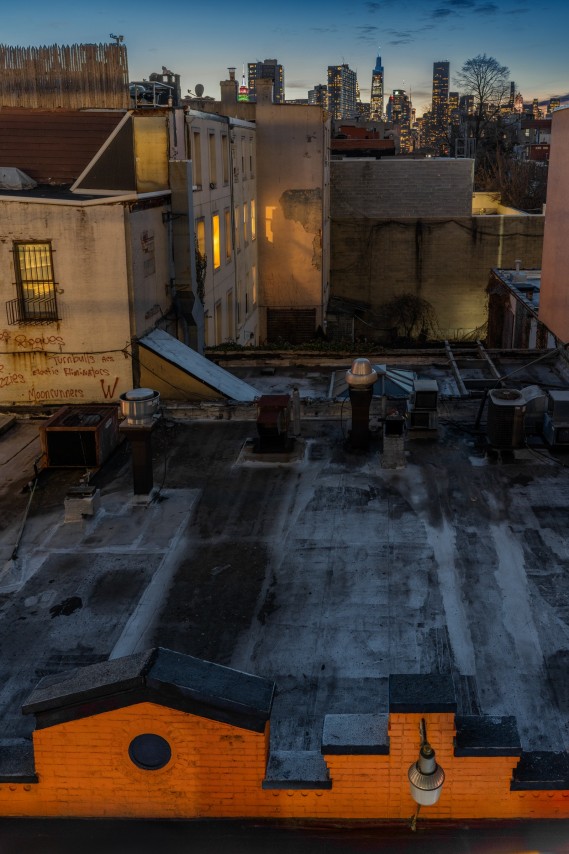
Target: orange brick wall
217,770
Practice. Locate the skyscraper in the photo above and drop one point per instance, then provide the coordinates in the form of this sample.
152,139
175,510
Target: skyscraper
399,113
269,68
341,91
439,110
377,91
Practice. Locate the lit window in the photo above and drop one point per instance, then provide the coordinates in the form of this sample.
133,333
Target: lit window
216,245
253,220
254,277
33,264
245,222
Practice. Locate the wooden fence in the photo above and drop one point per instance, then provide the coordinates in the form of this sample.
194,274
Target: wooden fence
64,76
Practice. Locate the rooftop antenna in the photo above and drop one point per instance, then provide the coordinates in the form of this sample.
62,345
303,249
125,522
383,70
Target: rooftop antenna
118,39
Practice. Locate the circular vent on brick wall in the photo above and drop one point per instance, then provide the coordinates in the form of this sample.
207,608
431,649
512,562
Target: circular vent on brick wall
150,751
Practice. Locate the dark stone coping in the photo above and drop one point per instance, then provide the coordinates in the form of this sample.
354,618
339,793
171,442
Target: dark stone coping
419,692
541,770
355,735
17,761
296,769
485,735
159,676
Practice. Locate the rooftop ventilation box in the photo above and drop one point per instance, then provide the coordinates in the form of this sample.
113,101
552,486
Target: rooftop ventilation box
79,436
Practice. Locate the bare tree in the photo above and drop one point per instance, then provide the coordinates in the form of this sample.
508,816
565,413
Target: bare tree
411,316
488,81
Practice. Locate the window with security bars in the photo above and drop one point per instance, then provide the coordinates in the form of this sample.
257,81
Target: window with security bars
36,302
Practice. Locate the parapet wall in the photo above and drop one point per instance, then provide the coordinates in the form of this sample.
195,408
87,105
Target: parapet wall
215,726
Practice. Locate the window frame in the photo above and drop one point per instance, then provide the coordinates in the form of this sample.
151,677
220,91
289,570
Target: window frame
36,300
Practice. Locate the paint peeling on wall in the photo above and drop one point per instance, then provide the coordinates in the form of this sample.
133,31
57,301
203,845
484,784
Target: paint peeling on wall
304,207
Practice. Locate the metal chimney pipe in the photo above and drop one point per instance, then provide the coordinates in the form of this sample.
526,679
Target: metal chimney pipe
360,379
139,406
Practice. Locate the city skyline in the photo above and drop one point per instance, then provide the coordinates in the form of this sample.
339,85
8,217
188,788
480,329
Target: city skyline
409,34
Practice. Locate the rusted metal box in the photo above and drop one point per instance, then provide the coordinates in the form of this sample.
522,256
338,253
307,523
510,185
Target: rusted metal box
273,416
79,436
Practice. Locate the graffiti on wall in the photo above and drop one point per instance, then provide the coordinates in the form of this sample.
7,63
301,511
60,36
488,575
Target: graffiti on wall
36,369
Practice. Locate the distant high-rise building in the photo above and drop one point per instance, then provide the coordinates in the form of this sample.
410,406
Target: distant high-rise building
377,91
554,104
512,98
319,95
341,91
439,109
453,108
536,109
268,69
399,112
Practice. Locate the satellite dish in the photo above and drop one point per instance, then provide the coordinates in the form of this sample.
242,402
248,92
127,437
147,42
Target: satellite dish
199,90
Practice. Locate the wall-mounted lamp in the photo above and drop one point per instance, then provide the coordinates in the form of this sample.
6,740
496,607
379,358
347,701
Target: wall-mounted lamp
426,778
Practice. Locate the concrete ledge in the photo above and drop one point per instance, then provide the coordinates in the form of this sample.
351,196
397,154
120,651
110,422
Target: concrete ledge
355,735
296,769
418,692
6,421
541,771
484,735
17,761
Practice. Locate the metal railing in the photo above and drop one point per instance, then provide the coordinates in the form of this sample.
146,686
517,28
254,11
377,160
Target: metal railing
31,310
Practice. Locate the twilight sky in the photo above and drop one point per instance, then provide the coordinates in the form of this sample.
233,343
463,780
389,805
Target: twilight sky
200,42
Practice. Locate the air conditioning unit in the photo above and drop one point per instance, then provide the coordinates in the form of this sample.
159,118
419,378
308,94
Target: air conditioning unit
506,413
422,411
556,419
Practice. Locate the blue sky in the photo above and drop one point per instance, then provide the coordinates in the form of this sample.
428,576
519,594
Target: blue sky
199,41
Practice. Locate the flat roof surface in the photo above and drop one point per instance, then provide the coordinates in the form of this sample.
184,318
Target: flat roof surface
325,574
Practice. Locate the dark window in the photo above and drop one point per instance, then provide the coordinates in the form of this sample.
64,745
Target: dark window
150,751
36,302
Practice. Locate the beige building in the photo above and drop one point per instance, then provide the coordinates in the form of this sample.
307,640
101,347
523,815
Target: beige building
223,155
554,304
98,263
292,212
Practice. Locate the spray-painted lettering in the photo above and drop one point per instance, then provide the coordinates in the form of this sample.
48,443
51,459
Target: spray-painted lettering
109,392
38,343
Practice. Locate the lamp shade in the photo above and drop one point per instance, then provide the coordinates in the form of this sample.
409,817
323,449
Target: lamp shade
426,778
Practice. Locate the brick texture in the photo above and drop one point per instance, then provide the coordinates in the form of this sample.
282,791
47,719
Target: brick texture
216,770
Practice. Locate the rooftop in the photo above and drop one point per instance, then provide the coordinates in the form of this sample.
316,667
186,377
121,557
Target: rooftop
325,574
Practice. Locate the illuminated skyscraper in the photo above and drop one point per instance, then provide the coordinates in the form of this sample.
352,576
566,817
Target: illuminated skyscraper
269,68
439,110
341,91
399,112
318,95
377,91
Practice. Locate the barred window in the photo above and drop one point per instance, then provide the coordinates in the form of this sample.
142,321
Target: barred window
36,302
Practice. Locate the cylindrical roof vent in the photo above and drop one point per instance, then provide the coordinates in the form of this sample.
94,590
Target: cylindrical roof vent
139,406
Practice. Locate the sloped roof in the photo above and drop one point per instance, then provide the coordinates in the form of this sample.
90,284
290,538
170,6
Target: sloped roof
156,676
192,363
54,146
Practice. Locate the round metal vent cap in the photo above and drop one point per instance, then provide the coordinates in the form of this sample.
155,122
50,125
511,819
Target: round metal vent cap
361,373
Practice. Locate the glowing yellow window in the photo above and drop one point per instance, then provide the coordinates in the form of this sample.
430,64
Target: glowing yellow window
216,246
